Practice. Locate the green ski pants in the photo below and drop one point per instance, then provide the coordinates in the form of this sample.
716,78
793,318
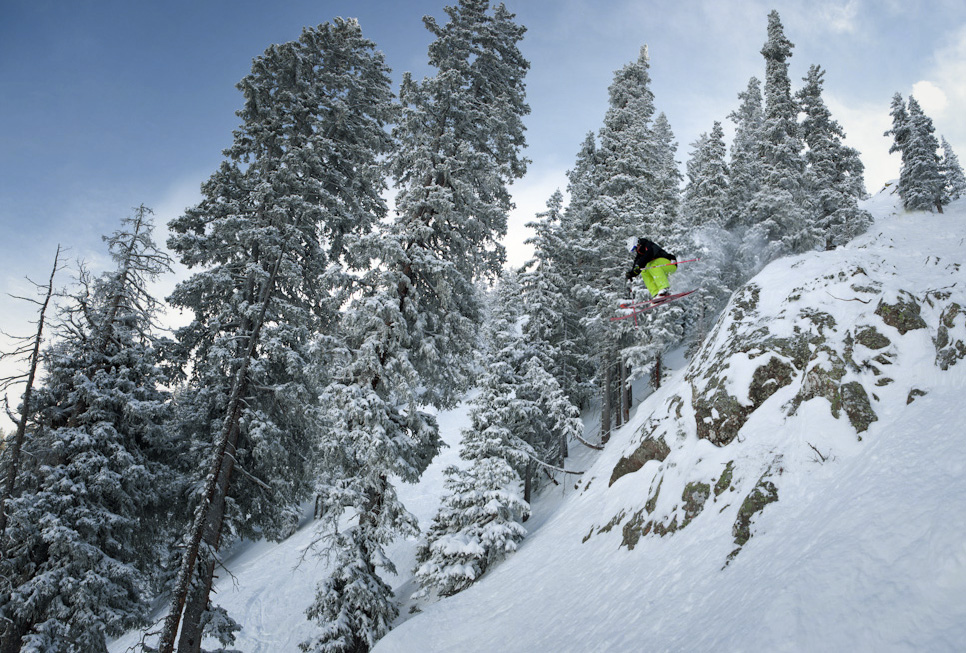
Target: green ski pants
656,277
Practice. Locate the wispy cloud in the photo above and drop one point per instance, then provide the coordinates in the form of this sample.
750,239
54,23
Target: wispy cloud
947,81
839,17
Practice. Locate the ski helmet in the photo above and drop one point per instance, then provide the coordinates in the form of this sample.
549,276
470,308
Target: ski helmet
631,243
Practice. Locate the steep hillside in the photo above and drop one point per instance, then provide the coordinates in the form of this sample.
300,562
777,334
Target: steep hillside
801,485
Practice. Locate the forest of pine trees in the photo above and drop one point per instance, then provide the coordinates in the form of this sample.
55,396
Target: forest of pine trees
324,326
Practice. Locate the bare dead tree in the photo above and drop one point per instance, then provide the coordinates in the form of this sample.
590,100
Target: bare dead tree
31,348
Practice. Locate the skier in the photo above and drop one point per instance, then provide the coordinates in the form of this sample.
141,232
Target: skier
654,264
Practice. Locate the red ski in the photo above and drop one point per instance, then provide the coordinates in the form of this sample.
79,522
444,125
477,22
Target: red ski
639,307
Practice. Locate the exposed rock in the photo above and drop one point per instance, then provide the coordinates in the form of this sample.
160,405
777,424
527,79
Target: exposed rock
855,400
648,450
768,378
764,493
950,349
913,394
725,481
695,495
632,530
869,337
652,500
903,315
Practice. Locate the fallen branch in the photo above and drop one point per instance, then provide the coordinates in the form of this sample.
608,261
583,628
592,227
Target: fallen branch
819,453
598,447
549,466
854,299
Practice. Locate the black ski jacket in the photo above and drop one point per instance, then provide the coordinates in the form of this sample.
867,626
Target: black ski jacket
647,251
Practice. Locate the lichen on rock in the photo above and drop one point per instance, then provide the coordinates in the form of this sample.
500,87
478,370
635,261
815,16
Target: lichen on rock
904,315
763,493
649,449
949,348
725,481
857,406
694,497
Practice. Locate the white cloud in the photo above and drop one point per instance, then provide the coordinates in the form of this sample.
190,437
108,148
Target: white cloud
530,195
839,17
865,126
948,74
931,98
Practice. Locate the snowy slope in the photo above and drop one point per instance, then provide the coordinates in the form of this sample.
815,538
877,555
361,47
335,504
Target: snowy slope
864,550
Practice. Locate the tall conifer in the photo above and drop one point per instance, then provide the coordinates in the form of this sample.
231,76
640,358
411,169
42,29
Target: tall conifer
836,169
271,244
410,335
781,214
82,542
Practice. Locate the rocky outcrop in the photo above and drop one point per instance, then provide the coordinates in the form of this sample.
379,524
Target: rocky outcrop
785,350
649,449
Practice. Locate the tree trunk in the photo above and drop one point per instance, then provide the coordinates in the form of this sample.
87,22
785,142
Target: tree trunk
15,447
221,459
628,392
657,371
528,485
11,636
198,597
605,406
619,394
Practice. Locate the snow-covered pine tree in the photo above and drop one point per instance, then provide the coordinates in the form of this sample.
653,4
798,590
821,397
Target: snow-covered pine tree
900,131
576,221
478,521
782,218
704,216
707,187
621,193
270,242
921,182
84,531
550,306
837,170
666,186
745,165
952,173
521,418
410,336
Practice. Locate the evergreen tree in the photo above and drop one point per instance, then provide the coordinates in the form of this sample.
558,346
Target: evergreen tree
900,131
952,173
551,310
520,416
622,194
704,216
478,519
837,170
271,240
667,178
577,257
781,213
83,536
410,334
921,182
707,189
745,166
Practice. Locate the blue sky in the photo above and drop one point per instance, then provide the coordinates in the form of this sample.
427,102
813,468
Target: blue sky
107,104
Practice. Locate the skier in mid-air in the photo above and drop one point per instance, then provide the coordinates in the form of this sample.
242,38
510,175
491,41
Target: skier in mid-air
654,264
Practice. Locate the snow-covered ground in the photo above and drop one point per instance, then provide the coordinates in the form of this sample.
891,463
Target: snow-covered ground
864,551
